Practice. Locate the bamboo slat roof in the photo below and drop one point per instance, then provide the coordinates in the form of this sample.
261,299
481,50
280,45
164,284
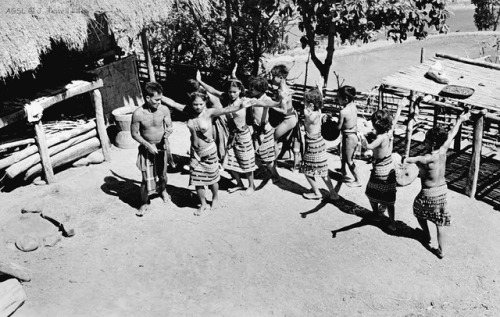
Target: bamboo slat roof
485,81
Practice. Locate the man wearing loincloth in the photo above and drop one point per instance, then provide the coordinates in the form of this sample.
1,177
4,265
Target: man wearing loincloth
431,203
151,126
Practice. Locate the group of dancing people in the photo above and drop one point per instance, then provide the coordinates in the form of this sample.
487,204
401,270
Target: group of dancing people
252,143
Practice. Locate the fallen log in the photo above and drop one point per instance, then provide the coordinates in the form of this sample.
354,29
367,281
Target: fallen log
21,166
60,137
12,296
15,270
68,155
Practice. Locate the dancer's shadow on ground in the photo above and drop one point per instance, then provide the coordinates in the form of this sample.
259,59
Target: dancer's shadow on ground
128,191
367,218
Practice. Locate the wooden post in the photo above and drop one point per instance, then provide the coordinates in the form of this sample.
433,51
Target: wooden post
436,115
147,55
381,97
409,126
475,162
41,143
458,137
422,55
101,125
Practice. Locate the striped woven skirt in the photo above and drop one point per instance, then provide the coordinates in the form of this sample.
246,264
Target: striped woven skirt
241,154
314,160
265,149
430,204
381,187
204,166
153,167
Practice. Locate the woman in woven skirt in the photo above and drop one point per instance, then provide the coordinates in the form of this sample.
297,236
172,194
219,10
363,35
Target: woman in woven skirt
314,161
240,153
381,187
204,165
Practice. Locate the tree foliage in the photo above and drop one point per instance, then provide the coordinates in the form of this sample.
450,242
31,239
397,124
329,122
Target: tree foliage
359,20
487,14
236,32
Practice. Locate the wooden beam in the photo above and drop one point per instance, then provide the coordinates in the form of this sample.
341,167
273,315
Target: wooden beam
409,126
76,87
101,126
57,138
458,137
16,142
67,156
469,61
475,162
41,142
147,55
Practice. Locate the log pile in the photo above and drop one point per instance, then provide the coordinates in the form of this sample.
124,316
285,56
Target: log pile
66,141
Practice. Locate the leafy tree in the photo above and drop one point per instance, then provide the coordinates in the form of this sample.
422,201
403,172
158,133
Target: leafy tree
235,32
487,14
358,20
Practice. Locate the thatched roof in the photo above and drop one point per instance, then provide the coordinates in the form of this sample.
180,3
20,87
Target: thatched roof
27,27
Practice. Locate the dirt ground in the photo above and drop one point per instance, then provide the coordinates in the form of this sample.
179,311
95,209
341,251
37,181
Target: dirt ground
270,254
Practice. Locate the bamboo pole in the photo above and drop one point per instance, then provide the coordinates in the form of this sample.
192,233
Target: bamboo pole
59,137
147,55
101,126
469,61
475,162
69,155
409,126
41,143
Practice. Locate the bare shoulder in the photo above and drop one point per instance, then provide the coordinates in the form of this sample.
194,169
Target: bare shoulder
138,114
164,110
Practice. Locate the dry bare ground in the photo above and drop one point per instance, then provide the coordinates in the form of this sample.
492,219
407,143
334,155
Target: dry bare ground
271,254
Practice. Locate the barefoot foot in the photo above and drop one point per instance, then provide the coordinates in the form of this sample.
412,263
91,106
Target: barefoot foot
249,191
165,197
141,211
312,196
202,209
235,189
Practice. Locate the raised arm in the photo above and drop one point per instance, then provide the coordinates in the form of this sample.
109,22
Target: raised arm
463,117
423,159
169,102
240,104
207,87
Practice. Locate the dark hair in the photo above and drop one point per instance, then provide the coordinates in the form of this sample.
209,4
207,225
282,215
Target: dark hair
436,136
347,92
191,85
151,88
382,121
232,82
258,83
315,97
280,70
198,94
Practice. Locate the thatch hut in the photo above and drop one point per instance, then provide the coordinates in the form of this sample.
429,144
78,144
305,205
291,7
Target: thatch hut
80,35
